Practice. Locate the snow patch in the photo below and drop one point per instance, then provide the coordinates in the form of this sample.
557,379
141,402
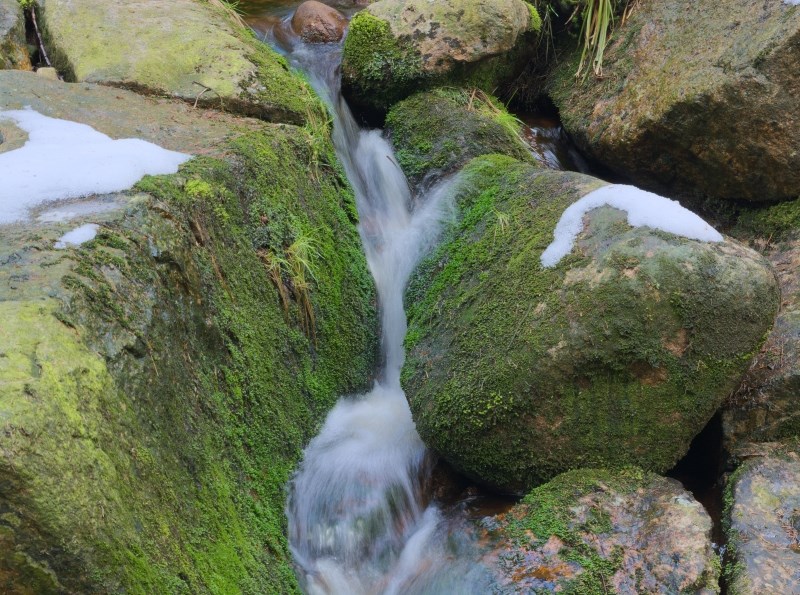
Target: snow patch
644,209
792,2
64,159
77,236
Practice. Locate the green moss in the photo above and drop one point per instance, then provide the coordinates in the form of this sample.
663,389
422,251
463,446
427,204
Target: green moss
155,432
776,222
380,68
440,130
619,355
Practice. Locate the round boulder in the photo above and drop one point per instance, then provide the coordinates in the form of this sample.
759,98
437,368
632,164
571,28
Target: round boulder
617,352
395,47
315,22
598,531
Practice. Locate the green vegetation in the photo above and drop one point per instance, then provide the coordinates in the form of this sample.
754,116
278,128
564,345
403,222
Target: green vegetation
178,377
373,56
441,130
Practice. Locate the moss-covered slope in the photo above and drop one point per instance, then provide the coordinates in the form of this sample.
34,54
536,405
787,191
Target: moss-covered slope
620,354
158,383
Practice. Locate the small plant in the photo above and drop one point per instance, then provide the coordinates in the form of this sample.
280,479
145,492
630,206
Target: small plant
318,128
295,268
598,17
231,9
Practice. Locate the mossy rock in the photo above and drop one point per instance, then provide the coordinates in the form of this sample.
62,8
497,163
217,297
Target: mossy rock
13,50
762,520
620,354
396,47
593,531
158,383
435,133
693,99
179,48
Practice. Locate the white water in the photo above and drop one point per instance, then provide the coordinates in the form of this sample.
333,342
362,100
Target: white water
358,521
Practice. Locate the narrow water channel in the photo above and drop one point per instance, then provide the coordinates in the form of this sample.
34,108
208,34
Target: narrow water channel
367,514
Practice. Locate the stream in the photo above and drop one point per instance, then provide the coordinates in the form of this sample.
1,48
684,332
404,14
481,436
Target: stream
369,510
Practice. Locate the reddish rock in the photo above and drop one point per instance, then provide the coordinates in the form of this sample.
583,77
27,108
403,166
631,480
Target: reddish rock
316,22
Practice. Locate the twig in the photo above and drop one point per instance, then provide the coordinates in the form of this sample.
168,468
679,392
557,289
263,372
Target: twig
39,37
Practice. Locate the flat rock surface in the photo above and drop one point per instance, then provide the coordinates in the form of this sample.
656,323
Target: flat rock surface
182,48
764,523
119,114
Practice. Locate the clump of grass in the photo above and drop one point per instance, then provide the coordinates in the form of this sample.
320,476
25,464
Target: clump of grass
293,275
318,129
230,8
598,18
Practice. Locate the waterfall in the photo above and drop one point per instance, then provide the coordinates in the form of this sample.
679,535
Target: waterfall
358,518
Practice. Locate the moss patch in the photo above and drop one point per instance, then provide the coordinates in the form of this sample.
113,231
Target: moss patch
439,131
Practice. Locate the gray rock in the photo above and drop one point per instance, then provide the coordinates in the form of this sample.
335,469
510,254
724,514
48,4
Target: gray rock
597,531
697,96
181,48
763,522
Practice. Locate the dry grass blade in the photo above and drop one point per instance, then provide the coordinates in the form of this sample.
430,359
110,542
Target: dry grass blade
231,9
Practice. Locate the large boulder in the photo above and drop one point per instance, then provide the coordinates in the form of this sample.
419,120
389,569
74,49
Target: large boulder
762,522
395,47
618,353
316,22
697,97
158,383
434,133
181,48
13,51
597,531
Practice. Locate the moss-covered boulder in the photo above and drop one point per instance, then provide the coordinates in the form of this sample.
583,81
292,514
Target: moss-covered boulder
437,132
396,47
13,51
180,48
595,531
762,521
700,97
619,354
158,383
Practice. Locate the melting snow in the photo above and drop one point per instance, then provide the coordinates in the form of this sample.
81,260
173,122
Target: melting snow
77,236
643,208
64,159
792,2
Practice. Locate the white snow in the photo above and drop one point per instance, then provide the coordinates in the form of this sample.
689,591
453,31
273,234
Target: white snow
77,236
644,209
64,159
792,2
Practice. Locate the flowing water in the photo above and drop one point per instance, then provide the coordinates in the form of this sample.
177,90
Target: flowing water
362,517
360,520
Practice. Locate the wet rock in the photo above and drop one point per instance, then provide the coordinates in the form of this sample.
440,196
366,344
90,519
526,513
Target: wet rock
181,48
763,522
597,531
700,97
436,132
396,47
619,354
141,373
316,22
13,49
